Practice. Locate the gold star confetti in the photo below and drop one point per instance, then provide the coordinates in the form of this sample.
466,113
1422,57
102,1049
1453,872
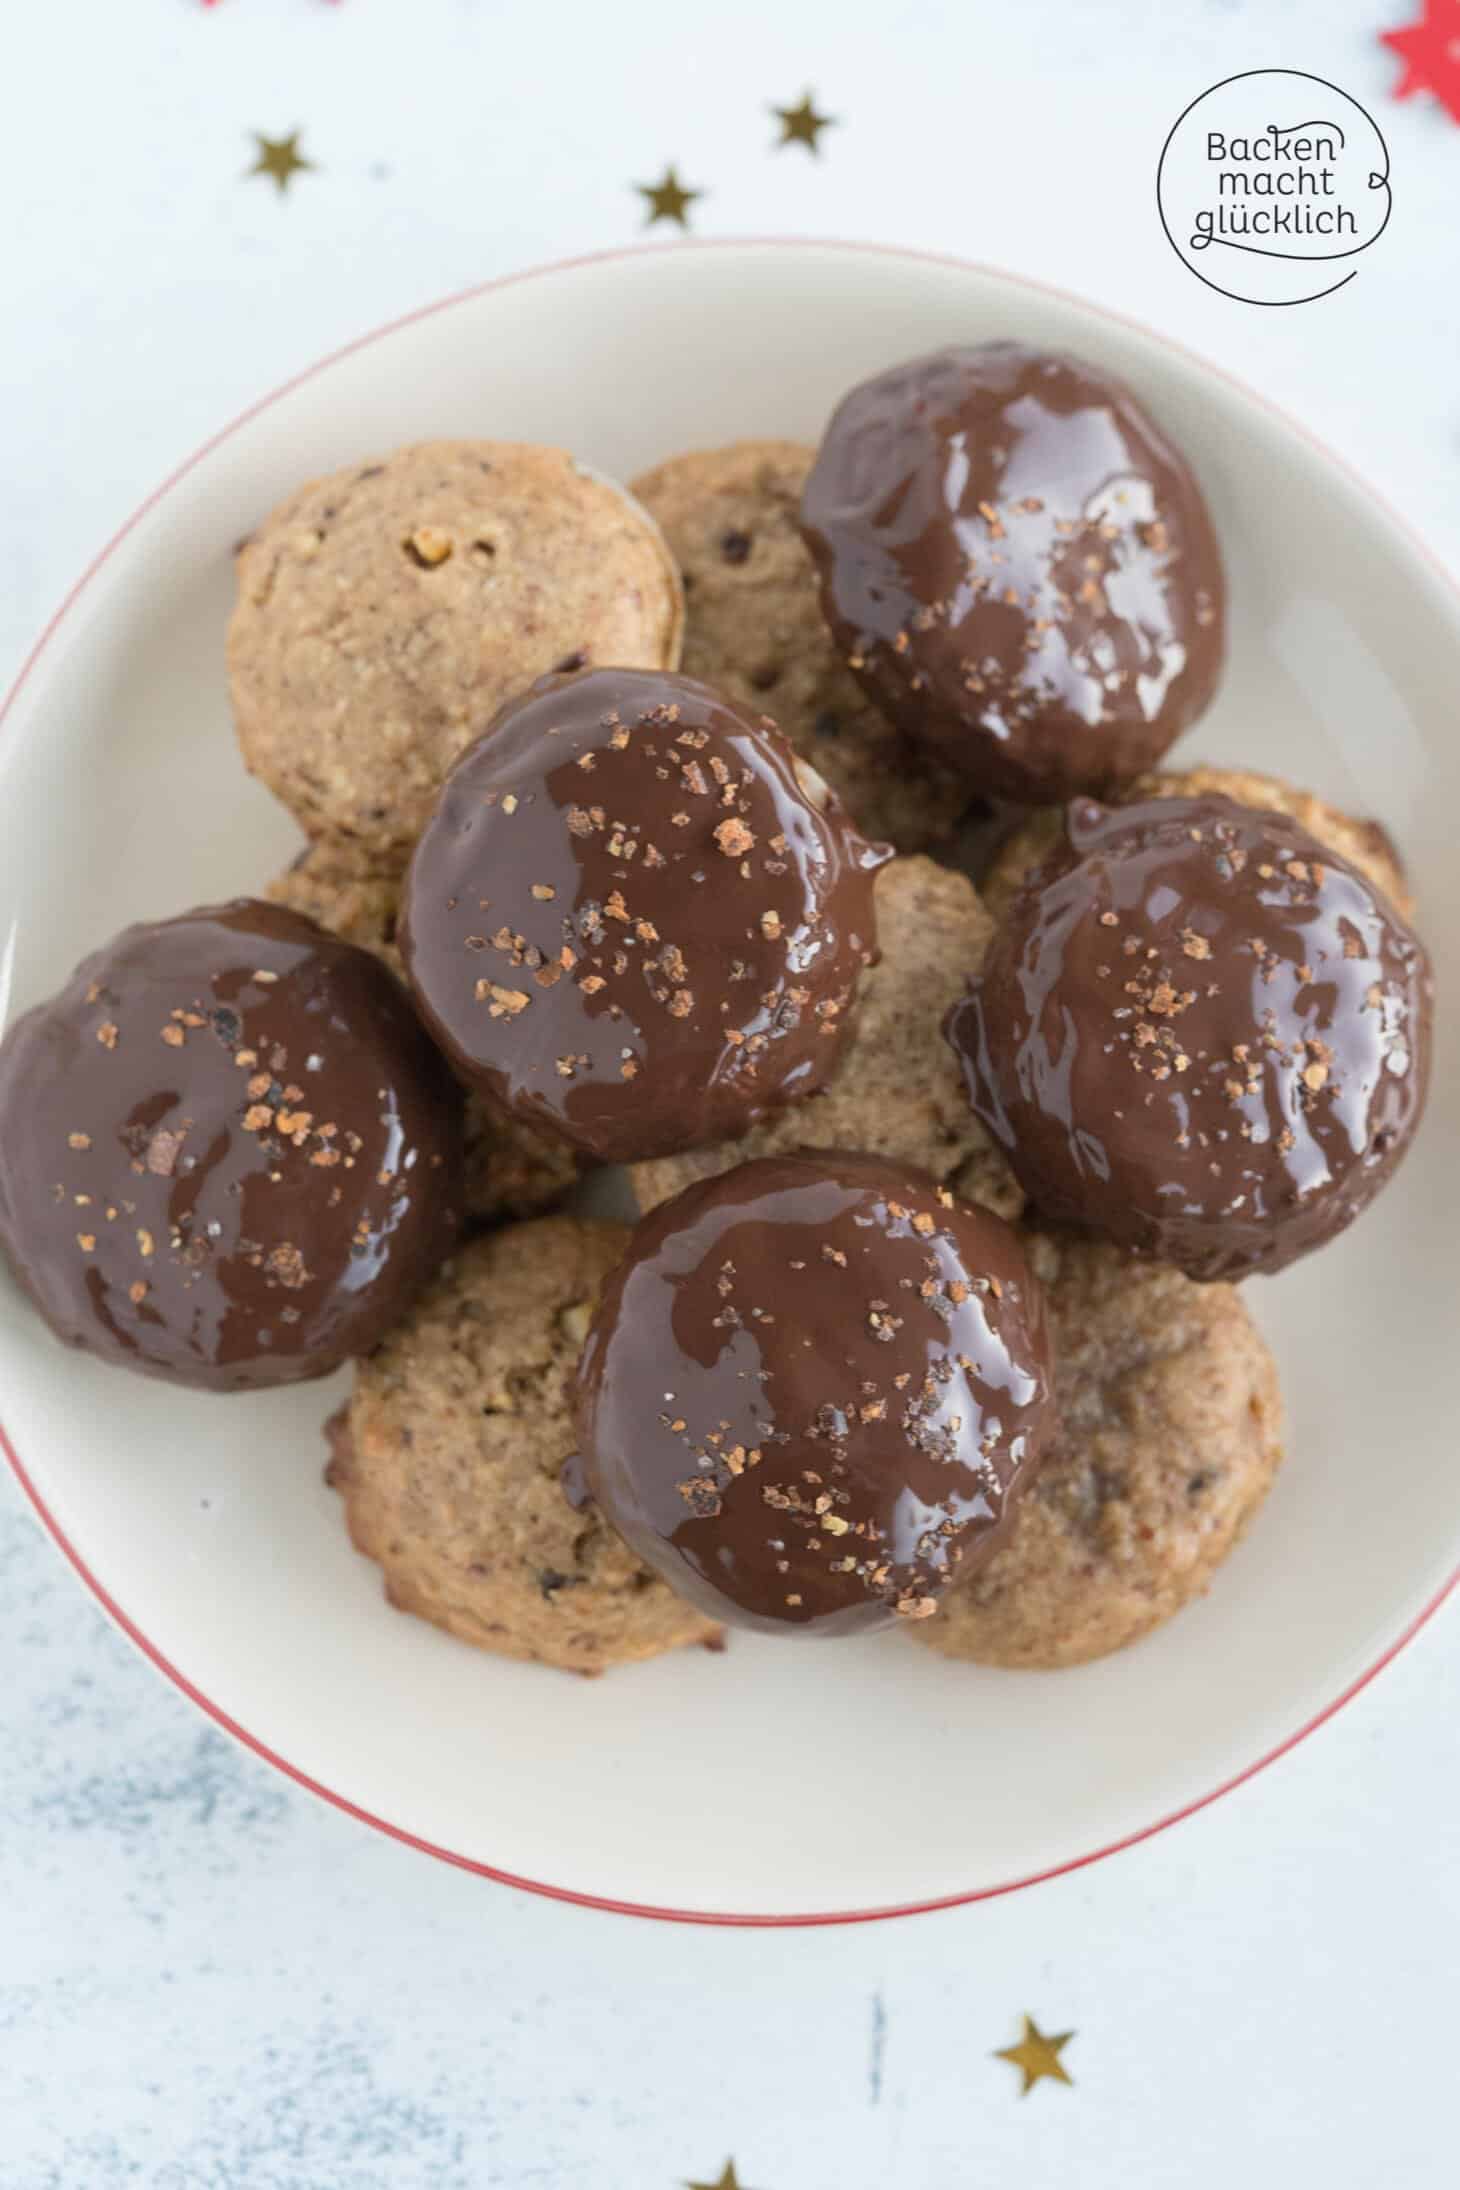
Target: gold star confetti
728,2181
668,200
279,157
802,124
1036,2056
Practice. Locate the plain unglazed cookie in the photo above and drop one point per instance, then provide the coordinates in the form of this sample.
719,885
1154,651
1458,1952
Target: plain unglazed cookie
328,884
898,1091
386,612
448,1457
511,1169
1367,843
754,628
1170,1436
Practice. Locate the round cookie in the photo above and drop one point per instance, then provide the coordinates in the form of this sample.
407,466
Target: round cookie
1170,1436
511,1169
228,1154
1200,1033
754,629
1019,566
814,1388
897,1092
1366,843
386,612
448,1457
636,918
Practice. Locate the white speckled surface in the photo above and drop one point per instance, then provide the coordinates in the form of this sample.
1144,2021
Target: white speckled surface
206,1979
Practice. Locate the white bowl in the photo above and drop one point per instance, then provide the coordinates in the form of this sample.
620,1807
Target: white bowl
778,1781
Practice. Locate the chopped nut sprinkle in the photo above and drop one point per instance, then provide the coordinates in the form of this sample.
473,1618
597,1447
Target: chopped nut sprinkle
734,839
504,1003
162,1152
430,545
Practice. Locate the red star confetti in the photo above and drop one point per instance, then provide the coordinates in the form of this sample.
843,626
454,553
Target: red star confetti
1430,51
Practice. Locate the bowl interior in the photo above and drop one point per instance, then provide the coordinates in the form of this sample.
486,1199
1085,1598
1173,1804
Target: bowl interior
741,1784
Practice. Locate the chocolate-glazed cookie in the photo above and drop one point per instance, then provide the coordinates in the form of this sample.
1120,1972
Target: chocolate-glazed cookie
812,1391
635,917
1019,567
228,1154
1199,1032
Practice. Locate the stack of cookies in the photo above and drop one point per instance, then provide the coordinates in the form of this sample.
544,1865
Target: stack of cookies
788,833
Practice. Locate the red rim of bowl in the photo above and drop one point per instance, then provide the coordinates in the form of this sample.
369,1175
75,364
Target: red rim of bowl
129,1626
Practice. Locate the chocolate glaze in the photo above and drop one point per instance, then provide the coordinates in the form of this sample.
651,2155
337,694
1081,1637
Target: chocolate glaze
812,1391
1019,567
228,1154
635,918
1200,1033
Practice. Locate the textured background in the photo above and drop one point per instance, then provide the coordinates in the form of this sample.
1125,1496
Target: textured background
208,1980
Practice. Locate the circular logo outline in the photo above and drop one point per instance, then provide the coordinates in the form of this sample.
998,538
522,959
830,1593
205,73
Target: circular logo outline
1318,257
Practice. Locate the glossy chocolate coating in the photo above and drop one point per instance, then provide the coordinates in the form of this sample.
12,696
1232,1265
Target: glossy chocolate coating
228,1154
635,918
1019,567
812,1391
1200,1033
